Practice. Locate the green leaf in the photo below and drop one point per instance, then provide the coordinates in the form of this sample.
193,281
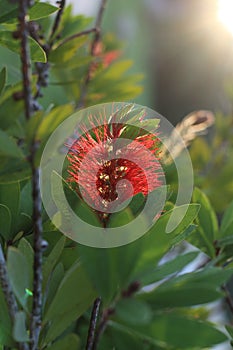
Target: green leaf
207,224
19,329
78,206
133,311
8,146
10,196
8,11
18,271
158,273
188,289
104,267
230,330
5,323
14,173
120,218
5,222
37,54
223,242
52,260
52,120
64,52
26,199
167,330
117,69
9,108
2,79
73,297
26,249
226,227
70,341
116,339
56,277
157,242
41,10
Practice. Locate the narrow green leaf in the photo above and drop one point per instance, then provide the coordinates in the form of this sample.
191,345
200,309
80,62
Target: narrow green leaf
73,297
182,296
63,53
157,242
70,341
104,267
19,329
189,289
230,330
133,311
53,284
26,249
8,146
9,110
10,196
52,120
36,52
120,218
226,227
207,224
223,242
5,222
158,273
52,260
117,69
8,11
18,271
2,79
172,330
41,10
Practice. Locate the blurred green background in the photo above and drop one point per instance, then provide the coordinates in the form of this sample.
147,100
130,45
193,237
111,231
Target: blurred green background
184,52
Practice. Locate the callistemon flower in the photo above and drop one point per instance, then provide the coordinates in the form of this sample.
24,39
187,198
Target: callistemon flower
107,169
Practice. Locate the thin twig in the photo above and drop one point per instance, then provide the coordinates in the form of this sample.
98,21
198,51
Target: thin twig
57,22
95,41
8,293
93,322
98,22
35,324
77,35
102,326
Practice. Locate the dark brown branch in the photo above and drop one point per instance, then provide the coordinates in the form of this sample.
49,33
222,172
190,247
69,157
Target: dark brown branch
6,287
25,57
102,326
95,41
8,294
98,22
57,21
93,322
35,324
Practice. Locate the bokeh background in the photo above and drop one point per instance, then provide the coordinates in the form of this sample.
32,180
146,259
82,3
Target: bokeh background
182,48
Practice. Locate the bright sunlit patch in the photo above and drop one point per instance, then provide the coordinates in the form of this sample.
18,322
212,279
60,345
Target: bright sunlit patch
225,14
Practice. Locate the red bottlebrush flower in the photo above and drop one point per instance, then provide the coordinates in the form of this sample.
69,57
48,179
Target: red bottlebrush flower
107,169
